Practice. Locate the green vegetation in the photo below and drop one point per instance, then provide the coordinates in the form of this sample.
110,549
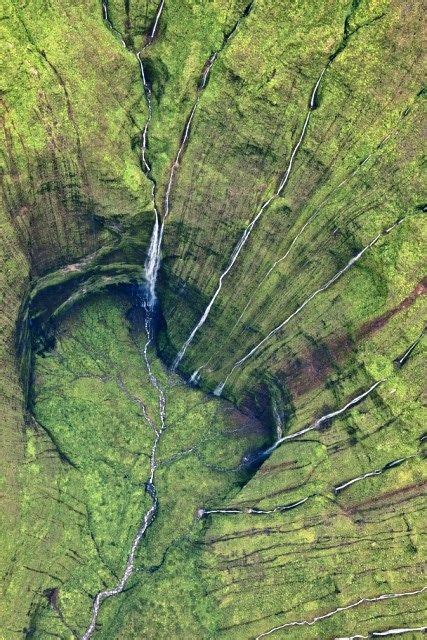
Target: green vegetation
91,393
75,227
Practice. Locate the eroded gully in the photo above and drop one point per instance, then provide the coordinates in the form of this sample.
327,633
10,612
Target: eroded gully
248,230
147,302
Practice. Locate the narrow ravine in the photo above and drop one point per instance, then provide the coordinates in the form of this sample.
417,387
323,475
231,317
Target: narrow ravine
325,616
147,299
219,389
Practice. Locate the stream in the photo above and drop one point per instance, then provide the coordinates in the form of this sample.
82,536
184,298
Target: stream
147,302
247,232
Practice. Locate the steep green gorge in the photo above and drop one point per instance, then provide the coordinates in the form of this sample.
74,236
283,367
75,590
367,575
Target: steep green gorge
242,457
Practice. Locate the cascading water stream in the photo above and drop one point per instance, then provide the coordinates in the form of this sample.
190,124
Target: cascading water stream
148,302
247,232
313,295
252,510
371,474
150,487
154,254
352,605
324,419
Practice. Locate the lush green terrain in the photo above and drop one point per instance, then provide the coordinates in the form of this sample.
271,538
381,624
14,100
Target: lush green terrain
75,391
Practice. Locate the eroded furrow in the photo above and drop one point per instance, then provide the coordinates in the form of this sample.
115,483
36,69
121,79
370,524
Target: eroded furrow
248,230
324,287
325,616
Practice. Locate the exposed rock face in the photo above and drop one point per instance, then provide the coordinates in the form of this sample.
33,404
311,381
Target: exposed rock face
315,109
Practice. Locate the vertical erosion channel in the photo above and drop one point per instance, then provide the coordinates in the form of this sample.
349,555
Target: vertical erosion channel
147,300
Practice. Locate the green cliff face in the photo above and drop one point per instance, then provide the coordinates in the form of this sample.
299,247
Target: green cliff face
304,314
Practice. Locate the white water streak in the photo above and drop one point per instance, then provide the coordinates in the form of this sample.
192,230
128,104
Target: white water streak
254,510
110,24
278,419
409,351
207,70
316,87
313,295
399,631
175,164
303,623
150,514
325,418
247,232
370,474
157,18
152,262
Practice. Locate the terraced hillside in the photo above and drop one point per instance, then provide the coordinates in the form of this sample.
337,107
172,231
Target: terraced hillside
212,320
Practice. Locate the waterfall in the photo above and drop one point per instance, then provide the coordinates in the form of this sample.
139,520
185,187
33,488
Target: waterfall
247,232
152,263
147,302
219,389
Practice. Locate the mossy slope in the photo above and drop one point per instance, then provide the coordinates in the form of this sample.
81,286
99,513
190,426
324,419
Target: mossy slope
77,217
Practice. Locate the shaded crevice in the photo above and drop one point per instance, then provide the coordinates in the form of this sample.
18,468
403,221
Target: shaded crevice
61,454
